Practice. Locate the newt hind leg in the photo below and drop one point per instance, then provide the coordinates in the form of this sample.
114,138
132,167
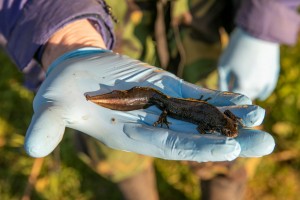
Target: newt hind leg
162,119
207,99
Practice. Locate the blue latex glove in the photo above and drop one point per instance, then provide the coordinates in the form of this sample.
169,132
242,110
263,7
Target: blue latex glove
60,102
249,66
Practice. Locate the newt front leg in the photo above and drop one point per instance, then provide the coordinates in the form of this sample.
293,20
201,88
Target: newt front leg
162,119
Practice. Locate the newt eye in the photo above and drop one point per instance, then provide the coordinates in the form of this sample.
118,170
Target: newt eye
228,132
235,125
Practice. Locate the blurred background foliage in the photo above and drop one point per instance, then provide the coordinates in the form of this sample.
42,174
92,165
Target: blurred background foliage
62,175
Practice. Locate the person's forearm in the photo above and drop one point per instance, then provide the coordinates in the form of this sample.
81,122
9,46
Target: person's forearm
73,36
28,25
271,20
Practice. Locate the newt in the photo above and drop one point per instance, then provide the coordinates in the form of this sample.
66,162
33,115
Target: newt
208,117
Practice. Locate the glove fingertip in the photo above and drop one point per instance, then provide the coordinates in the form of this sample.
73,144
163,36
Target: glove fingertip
256,143
44,133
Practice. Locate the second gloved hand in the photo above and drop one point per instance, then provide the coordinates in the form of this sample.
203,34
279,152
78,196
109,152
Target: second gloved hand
249,66
61,102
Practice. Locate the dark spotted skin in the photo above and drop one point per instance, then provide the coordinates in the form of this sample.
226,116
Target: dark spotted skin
199,112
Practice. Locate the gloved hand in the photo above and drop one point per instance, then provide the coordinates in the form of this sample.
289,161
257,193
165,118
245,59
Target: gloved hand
249,66
60,102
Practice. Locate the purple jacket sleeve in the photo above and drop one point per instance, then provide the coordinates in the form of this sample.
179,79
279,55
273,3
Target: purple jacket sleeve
26,25
271,20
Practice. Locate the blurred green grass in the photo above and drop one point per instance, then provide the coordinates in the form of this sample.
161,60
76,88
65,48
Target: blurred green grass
65,176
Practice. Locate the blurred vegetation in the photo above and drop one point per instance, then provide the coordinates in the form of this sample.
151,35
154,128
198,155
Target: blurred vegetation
278,175
64,176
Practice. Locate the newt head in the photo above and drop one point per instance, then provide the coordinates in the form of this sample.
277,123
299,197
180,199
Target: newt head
232,122
230,129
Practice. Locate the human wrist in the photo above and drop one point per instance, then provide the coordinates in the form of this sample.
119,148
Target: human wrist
75,35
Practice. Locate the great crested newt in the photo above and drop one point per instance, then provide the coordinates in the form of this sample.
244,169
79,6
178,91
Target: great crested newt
196,111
